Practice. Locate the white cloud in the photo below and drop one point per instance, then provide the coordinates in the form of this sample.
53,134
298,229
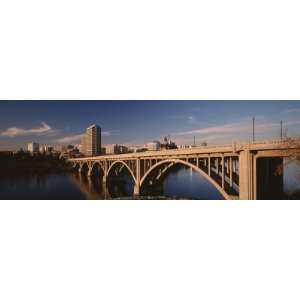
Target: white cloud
15,131
296,122
227,128
70,139
192,120
292,110
109,132
238,127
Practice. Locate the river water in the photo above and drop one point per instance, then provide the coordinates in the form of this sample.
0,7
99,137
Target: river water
183,183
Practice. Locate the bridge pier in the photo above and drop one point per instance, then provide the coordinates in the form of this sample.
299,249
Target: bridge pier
247,178
80,169
104,187
223,172
104,179
230,172
136,191
137,185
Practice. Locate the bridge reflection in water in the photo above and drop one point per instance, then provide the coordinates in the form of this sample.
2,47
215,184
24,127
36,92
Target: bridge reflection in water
180,183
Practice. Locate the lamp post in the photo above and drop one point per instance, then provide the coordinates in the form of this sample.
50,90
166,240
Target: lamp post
253,129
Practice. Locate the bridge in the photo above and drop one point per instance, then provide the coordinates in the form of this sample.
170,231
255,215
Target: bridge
238,171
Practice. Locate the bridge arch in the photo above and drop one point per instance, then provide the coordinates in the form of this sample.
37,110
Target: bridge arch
165,170
195,168
97,165
125,165
76,165
84,168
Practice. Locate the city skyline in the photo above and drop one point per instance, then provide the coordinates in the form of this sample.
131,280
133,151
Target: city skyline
138,122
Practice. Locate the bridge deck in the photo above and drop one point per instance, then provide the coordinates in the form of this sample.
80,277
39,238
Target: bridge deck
279,146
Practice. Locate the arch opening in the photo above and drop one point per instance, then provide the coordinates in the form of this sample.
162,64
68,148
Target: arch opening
180,171
120,180
76,166
97,171
84,169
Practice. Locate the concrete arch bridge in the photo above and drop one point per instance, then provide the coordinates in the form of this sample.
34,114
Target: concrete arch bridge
237,171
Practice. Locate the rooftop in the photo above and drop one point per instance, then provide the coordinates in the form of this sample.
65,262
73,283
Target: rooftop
94,125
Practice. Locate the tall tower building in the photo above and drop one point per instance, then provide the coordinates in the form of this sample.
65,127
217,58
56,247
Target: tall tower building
91,141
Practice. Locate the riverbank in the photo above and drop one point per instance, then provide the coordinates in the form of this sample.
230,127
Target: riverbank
24,163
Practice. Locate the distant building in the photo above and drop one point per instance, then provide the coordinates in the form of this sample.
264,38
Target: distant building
71,153
115,149
80,148
45,149
168,144
123,149
91,141
58,148
111,149
153,146
137,149
33,147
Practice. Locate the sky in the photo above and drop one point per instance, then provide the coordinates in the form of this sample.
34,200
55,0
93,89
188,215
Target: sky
138,122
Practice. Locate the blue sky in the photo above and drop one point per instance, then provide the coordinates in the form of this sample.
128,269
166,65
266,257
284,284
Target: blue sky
137,122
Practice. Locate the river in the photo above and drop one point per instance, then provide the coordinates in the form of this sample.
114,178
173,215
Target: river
182,183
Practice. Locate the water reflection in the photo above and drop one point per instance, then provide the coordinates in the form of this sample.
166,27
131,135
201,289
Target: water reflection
91,188
182,183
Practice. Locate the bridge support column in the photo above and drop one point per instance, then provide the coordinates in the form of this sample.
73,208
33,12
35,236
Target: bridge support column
223,172
230,171
104,179
209,166
136,191
104,187
137,185
246,175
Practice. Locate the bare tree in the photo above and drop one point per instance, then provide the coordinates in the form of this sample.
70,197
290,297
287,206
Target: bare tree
292,157
292,150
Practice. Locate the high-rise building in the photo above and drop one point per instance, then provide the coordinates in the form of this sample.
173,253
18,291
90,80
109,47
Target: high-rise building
33,147
91,141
